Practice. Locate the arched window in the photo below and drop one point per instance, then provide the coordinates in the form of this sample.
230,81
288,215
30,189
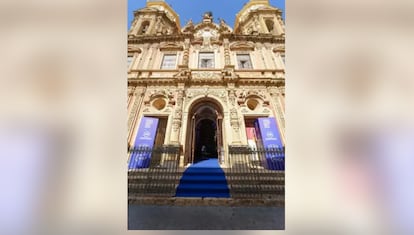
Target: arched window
144,27
270,25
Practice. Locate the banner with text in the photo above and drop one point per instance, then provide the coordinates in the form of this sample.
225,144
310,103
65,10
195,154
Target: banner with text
143,143
272,143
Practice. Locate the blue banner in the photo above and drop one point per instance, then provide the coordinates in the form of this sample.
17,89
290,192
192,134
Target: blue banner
272,143
141,156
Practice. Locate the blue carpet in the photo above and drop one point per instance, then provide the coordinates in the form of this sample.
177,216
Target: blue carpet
203,179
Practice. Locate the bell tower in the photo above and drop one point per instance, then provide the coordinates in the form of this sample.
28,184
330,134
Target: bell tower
156,18
259,17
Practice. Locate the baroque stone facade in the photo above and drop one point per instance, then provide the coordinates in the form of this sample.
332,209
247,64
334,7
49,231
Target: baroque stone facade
206,70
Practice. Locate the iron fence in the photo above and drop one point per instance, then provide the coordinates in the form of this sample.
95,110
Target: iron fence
250,173
159,172
256,173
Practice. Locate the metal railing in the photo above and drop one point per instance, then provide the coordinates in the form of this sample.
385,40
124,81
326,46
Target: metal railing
250,173
256,173
158,176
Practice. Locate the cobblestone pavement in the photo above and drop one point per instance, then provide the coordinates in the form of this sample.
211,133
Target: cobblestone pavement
148,217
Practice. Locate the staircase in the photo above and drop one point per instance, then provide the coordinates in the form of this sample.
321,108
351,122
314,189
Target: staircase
203,179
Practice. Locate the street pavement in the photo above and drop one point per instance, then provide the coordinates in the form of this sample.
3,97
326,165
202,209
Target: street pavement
152,217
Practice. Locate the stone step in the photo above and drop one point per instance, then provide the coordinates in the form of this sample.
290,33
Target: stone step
197,187
215,179
278,200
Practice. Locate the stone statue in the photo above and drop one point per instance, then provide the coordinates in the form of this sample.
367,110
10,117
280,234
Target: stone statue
255,25
208,17
158,25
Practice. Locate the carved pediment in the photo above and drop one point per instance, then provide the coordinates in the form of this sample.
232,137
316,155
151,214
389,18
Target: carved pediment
242,46
160,93
170,46
209,32
204,25
206,75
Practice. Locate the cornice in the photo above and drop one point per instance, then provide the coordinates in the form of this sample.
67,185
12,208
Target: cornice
182,36
213,82
205,77
258,38
157,39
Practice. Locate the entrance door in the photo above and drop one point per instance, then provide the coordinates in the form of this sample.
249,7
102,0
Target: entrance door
204,132
206,140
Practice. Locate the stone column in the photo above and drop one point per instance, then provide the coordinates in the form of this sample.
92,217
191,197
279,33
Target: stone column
226,44
234,116
153,54
275,94
186,53
144,55
131,90
176,124
132,119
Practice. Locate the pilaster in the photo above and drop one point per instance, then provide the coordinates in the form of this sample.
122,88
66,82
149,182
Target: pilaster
133,117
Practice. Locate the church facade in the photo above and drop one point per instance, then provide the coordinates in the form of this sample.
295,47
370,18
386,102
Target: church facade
206,86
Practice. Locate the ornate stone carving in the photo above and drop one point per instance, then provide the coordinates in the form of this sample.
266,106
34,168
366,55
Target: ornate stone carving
189,27
184,74
170,46
232,96
186,52
159,26
208,17
226,45
274,92
178,112
206,91
234,119
243,94
224,28
242,46
255,28
228,74
206,75
133,113
166,93
131,91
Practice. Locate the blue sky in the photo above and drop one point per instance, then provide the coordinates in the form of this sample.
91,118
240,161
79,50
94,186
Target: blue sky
194,9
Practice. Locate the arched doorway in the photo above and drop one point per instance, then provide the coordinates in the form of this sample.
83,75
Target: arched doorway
205,140
204,132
